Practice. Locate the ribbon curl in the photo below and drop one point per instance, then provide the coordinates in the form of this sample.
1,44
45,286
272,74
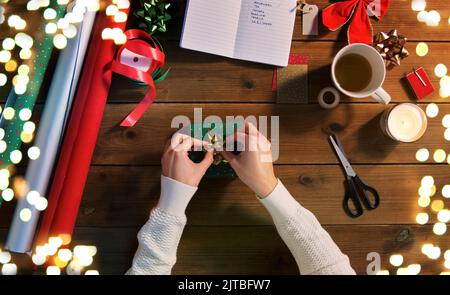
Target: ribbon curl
143,45
356,12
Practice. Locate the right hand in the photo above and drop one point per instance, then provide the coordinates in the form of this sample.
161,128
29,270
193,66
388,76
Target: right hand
254,165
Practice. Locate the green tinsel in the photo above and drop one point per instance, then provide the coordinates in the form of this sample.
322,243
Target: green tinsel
153,15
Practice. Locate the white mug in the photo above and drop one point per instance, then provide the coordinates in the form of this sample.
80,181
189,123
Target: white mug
376,62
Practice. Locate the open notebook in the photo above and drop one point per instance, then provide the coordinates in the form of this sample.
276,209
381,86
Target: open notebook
255,30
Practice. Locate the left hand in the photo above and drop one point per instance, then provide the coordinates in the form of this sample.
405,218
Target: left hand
176,163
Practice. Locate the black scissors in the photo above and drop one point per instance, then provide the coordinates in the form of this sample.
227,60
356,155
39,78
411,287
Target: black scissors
358,194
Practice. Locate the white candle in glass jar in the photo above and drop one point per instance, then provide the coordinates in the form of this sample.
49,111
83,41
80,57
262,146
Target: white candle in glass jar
405,122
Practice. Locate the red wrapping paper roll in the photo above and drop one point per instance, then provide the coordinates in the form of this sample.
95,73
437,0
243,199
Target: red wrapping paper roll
81,135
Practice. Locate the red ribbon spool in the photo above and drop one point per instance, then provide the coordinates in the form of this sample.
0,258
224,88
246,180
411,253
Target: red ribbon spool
141,44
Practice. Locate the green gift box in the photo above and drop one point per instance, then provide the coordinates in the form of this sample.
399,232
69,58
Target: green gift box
221,131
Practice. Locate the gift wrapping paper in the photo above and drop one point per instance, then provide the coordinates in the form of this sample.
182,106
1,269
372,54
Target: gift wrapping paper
50,132
81,135
43,52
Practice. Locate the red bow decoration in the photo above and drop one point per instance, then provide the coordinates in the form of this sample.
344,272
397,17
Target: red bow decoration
360,29
142,46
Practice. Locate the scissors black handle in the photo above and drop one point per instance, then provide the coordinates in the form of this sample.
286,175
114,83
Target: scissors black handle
358,195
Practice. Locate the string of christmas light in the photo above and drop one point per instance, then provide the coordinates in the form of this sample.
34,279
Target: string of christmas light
114,10
61,28
427,191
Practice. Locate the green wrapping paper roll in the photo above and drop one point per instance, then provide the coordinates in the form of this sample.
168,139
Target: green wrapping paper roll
43,52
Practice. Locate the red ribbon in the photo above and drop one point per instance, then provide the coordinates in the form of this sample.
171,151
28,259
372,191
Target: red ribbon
143,44
360,29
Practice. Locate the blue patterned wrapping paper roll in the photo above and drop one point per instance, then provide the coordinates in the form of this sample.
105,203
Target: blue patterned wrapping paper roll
49,135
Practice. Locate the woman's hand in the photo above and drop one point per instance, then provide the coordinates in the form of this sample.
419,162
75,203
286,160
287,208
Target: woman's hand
176,163
254,165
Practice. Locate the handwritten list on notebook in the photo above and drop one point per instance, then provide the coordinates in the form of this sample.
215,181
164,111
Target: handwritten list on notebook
255,30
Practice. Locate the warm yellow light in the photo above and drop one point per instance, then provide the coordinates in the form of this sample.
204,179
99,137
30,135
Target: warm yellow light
26,137
447,255
418,5
51,28
120,17
426,192
41,204
424,202
29,127
382,273
402,271
447,134
59,263
422,49
65,255
439,156
123,4
120,39
433,18
422,16
25,53
440,70
25,214
70,32
446,191
66,238
85,260
432,110
396,260
15,156
422,155
11,66
414,269
49,14
38,259
3,79
422,218
444,81
444,216
427,181
427,248
9,269
53,270
111,10
446,121
92,272
8,44
25,114
435,252
60,41
8,195
32,197
5,257
437,205
439,228
34,152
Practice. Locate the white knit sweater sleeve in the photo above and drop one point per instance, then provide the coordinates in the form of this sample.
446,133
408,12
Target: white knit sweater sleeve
312,247
160,236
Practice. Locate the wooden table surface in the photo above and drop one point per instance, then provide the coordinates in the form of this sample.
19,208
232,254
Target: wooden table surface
228,231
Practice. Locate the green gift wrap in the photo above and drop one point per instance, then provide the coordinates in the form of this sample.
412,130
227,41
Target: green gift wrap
43,52
201,131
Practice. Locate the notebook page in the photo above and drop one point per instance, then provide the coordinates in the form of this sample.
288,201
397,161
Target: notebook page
211,26
265,31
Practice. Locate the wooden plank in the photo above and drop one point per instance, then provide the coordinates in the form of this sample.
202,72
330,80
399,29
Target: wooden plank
303,133
124,196
399,16
201,77
259,250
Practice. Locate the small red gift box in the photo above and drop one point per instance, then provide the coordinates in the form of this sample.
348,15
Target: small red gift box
420,83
